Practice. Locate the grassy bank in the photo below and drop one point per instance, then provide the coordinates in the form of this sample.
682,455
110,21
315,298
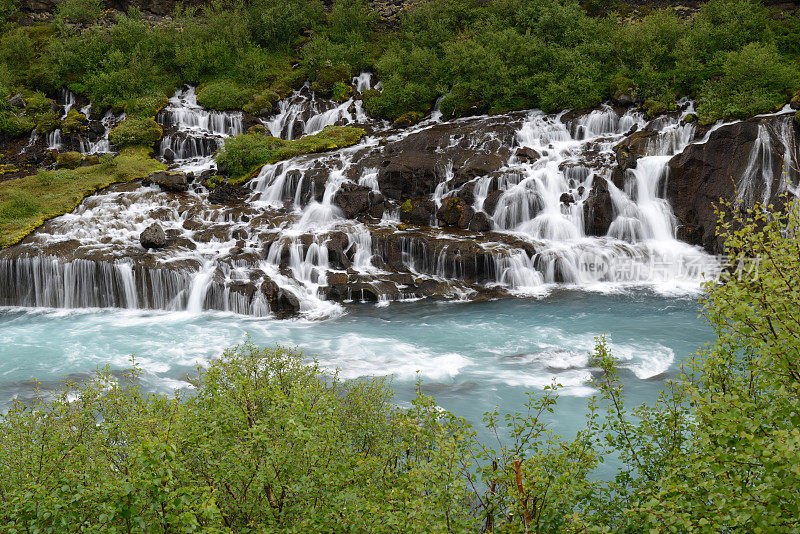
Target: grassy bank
241,156
26,203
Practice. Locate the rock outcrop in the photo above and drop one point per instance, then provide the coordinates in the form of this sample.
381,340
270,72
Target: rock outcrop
153,237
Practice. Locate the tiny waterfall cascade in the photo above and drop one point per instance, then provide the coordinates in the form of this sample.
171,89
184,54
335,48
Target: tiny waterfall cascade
193,133
305,113
311,232
100,145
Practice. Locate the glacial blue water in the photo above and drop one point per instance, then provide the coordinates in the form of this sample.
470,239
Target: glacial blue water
469,356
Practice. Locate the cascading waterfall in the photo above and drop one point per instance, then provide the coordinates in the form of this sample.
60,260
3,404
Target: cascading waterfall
291,234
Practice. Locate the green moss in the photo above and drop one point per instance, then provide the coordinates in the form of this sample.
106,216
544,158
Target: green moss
135,131
69,160
408,119
689,118
224,95
327,78
75,121
407,206
8,168
27,202
657,107
262,103
244,154
46,122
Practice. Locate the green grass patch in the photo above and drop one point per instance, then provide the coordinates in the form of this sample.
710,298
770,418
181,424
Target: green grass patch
244,154
26,203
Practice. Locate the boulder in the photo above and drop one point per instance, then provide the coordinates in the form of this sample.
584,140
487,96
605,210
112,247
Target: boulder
598,212
455,212
480,222
153,237
281,302
225,193
567,199
16,100
527,154
417,211
352,199
490,204
172,181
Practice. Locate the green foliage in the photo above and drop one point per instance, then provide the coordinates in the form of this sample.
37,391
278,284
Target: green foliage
13,126
134,131
60,191
79,11
753,80
242,154
145,106
267,444
9,10
224,95
278,24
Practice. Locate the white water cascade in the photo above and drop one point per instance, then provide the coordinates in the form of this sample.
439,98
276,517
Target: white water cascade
288,235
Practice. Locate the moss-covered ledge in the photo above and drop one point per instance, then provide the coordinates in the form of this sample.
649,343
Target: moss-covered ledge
26,203
243,155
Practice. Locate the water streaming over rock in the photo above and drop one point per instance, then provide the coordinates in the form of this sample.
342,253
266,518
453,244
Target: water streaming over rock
541,200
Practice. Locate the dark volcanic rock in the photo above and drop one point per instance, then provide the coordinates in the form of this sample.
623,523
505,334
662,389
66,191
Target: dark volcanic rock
598,212
527,155
224,193
353,199
417,211
480,222
491,201
174,182
281,302
705,173
153,237
455,212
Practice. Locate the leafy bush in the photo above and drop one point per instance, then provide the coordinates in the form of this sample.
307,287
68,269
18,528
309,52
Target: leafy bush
278,24
79,11
13,126
224,95
9,10
754,80
135,131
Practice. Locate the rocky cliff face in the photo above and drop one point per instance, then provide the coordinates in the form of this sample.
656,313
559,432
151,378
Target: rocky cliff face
746,162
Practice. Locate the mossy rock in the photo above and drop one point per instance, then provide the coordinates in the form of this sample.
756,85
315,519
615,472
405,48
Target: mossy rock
225,95
135,131
408,119
657,107
262,103
75,121
690,118
37,102
8,168
406,206
69,160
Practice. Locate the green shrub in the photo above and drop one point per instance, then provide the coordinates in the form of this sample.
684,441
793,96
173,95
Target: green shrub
262,103
69,160
408,119
79,11
9,10
13,126
146,106
753,81
135,131
224,95
278,24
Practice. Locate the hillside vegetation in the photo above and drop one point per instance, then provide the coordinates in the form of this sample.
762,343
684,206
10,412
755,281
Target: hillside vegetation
735,56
